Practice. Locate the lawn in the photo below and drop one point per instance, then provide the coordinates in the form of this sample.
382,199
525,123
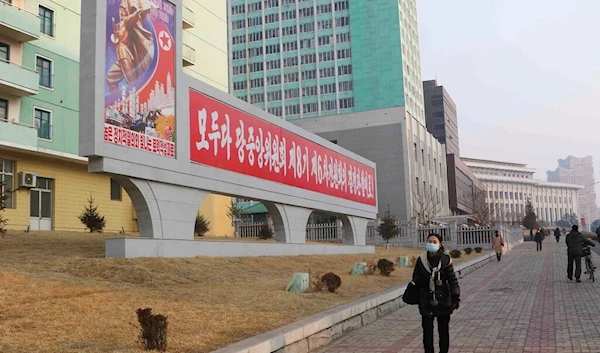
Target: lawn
58,294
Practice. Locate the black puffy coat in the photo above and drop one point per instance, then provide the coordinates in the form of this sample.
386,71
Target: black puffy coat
447,293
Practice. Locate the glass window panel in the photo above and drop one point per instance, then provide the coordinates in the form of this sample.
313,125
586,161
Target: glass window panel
46,204
34,201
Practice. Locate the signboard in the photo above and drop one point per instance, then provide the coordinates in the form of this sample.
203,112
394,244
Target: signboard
224,137
139,92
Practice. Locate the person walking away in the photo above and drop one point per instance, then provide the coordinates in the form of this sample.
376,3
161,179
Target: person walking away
439,293
531,234
557,234
538,240
575,242
498,245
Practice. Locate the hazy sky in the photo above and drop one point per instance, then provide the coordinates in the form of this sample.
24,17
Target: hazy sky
525,76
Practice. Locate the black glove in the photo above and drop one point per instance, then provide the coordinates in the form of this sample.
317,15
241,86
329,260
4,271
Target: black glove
455,303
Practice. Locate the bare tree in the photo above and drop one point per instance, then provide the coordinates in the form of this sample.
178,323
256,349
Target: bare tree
483,213
427,206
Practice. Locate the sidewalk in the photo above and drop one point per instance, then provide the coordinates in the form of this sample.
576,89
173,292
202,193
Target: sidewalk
524,303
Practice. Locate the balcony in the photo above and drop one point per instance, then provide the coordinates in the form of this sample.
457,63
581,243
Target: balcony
17,80
18,24
189,18
16,133
188,53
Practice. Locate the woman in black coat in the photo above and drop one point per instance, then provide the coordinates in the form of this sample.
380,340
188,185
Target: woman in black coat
439,293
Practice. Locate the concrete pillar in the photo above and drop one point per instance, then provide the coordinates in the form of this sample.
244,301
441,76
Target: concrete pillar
355,230
164,211
289,222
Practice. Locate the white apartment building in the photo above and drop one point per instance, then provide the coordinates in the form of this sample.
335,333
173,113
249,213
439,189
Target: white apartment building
510,185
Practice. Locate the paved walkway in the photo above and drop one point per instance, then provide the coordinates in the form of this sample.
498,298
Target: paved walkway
524,303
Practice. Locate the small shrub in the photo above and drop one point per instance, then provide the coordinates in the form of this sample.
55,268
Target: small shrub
331,281
90,217
153,330
371,268
468,251
385,267
455,254
413,261
265,232
478,249
202,226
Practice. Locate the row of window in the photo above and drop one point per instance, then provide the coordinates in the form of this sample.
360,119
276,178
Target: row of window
257,6
295,92
305,43
289,15
306,75
344,103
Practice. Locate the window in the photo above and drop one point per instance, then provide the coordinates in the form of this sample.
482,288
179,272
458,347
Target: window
3,109
238,9
46,21
309,75
347,103
328,105
415,152
307,27
437,102
292,93
344,53
275,111
44,68
273,80
309,91
43,123
342,21
292,109
274,96
289,62
344,70
341,5
308,59
257,98
115,190
4,52
7,177
309,108
326,56
346,86
343,37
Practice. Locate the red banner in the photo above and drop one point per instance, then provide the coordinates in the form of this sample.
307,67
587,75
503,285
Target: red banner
224,137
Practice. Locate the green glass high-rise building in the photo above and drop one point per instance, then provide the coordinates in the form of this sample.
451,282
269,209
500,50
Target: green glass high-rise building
339,68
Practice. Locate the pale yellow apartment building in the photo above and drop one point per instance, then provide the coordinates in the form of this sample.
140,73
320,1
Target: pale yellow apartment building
39,113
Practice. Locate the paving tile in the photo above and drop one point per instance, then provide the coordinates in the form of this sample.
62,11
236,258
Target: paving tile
524,303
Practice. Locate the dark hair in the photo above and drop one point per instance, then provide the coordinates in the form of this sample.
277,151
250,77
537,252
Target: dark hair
497,233
575,228
439,238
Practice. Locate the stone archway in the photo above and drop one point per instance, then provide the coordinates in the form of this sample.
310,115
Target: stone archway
164,211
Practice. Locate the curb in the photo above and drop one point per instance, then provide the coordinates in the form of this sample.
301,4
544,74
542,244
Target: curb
319,330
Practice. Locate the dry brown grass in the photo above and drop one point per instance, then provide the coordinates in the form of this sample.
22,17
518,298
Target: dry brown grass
59,294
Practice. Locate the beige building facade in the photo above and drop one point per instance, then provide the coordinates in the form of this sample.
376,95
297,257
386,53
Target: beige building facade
511,185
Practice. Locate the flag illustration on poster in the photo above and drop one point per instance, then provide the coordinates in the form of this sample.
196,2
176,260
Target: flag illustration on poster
139,110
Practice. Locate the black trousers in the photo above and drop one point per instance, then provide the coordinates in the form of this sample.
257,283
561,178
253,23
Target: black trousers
443,330
539,246
498,256
577,260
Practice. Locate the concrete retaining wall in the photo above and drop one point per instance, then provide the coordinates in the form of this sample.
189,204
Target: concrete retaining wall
319,330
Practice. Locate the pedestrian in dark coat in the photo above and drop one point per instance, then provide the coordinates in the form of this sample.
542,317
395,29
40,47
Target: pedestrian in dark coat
439,293
557,234
575,242
539,237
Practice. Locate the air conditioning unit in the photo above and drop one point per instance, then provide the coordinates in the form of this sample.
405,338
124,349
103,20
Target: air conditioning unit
27,179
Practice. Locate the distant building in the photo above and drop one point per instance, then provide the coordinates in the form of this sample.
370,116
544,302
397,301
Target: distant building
579,171
440,116
510,185
463,186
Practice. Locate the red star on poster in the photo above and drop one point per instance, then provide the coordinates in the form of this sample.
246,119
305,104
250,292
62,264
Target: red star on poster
164,40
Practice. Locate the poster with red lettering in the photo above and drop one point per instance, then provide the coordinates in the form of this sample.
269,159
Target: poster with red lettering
224,137
139,109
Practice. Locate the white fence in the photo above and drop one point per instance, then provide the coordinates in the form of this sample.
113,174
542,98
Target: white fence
249,230
453,236
331,232
410,235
